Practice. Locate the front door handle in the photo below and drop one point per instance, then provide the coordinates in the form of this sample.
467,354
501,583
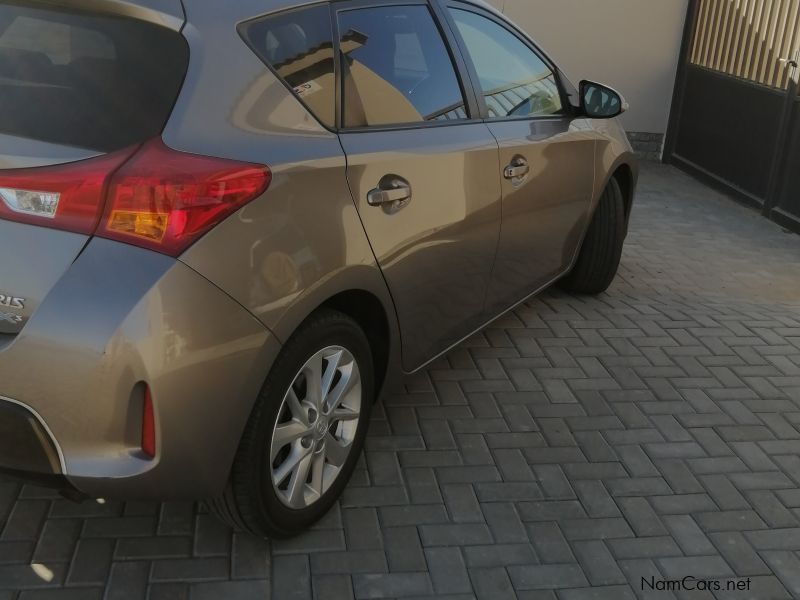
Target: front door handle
392,194
518,169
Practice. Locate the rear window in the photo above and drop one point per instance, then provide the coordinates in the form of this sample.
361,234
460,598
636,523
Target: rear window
89,81
298,45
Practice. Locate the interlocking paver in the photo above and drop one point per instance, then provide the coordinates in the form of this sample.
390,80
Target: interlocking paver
688,535
595,499
92,562
231,590
615,592
404,549
353,561
550,544
598,565
742,557
492,584
500,555
392,585
645,547
547,577
639,569
448,571
250,558
786,566
573,448
505,523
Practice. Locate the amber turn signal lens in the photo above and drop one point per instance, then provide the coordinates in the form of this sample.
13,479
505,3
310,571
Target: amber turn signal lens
152,226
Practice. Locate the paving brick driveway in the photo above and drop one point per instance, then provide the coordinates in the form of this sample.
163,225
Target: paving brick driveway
573,448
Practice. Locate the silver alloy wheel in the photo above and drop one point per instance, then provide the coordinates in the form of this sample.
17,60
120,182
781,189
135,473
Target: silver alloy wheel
316,427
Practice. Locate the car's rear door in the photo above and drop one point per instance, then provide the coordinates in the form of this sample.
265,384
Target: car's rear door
422,168
79,90
546,155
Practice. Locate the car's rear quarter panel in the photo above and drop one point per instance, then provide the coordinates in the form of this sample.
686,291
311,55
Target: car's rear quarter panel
120,316
302,242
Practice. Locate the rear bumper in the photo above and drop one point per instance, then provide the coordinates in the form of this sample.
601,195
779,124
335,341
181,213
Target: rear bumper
71,381
26,444
28,450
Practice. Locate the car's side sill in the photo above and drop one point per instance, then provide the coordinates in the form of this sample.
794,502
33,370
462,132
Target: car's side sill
495,318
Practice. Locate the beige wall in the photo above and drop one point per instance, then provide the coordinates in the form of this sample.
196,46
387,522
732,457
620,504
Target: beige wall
631,45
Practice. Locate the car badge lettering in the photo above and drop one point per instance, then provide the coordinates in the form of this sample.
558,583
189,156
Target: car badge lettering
9,318
12,302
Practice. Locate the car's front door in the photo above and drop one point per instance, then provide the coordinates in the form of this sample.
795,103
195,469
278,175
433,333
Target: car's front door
546,155
423,172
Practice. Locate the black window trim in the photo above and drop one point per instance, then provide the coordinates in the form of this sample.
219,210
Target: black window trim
471,102
465,5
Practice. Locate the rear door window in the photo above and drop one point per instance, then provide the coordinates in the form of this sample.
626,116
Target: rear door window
83,80
396,68
298,45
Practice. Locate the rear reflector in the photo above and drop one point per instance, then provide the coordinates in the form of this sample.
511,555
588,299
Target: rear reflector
148,425
153,196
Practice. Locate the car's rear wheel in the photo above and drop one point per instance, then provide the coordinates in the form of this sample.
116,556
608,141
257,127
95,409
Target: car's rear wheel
599,258
306,432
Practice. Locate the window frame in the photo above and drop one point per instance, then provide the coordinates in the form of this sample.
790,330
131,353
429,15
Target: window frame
568,110
468,91
466,75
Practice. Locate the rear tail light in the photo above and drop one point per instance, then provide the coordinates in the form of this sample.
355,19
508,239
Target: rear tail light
66,197
148,425
165,200
152,196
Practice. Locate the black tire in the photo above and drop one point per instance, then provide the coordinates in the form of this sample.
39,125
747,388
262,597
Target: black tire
250,502
600,255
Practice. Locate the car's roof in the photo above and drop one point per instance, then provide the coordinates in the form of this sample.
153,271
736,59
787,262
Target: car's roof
171,12
264,6
164,12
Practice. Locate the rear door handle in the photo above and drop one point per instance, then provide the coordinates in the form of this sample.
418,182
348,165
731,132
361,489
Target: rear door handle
392,194
518,169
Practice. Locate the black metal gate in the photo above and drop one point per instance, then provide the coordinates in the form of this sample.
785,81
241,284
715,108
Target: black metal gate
736,112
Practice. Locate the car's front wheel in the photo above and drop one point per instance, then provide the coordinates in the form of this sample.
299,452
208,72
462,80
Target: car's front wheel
601,252
306,431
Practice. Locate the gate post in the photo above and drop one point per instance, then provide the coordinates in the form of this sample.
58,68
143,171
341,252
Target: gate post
692,11
779,154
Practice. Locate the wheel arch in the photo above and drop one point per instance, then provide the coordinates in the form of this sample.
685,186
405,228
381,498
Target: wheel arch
368,311
624,169
625,178
359,292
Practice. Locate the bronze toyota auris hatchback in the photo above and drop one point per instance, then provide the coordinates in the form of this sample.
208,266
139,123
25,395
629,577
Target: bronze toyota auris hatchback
226,226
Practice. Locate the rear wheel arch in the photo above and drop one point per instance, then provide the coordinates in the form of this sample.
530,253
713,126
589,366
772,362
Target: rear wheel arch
368,311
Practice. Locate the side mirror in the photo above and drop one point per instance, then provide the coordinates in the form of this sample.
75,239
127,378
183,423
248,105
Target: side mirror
599,101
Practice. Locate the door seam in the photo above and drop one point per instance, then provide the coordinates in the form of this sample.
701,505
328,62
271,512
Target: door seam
371,248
